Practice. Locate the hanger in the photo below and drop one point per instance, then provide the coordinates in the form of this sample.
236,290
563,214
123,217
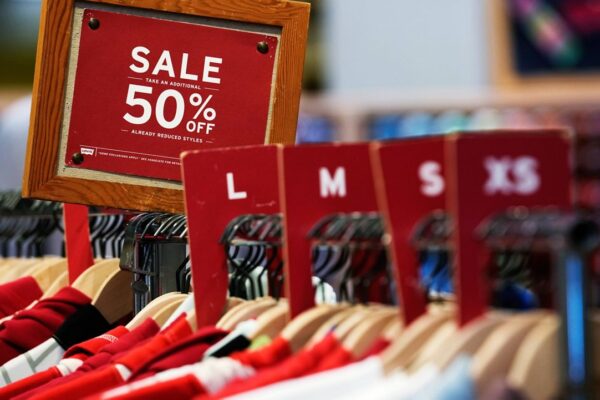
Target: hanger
90,281
272,321
494,357
413,338
299,331
17,268
330,325
464,340
154,308
60,282
45,274
244,312
368,331
114,298
536,368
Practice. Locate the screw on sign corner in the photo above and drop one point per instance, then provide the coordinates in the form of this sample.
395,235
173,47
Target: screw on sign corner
77,158
262,47
94,23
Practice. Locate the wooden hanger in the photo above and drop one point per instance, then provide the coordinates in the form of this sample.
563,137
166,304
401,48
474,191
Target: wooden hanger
59,282
403,350
245,312
114,298
163,314
367,332
91,280
272,321
465,340
17,269
494,357
330,325
154,307
536,368
300,329
46,274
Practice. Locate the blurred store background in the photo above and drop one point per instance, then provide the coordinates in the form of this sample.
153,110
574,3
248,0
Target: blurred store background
385,69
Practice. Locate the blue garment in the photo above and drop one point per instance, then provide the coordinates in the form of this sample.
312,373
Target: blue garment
454,383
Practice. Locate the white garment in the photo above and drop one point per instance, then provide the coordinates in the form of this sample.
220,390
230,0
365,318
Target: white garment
398,386
185,307
213,374
333,384
38,359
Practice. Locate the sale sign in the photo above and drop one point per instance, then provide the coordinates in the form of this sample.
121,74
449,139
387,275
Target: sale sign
145,89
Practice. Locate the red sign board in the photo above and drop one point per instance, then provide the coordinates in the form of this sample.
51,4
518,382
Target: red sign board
317,181
148,88
411,184
488,173
219,185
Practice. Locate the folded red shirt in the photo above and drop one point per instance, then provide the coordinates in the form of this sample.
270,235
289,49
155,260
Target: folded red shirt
18,294
31,327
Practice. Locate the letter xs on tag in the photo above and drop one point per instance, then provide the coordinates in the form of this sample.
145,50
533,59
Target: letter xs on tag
509,176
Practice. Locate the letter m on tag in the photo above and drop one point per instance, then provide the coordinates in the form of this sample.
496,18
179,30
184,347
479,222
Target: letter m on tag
332,186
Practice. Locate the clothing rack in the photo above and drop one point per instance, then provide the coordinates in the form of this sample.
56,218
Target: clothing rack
155,251
571,238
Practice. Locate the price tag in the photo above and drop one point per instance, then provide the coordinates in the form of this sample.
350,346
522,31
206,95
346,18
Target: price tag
489,173
220,185
411,184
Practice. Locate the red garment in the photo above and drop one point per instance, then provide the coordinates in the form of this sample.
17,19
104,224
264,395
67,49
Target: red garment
188,386
18,294
140,334
298,365
80,351
185,352
278,350
108,376
184,387
380,345
336,359
87,349
31,327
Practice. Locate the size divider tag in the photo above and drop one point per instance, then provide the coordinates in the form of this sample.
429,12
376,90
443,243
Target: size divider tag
489,173
410,183
316,181
220,185
78,244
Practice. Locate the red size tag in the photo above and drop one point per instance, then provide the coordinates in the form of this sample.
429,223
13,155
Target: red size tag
489,172
78,244
316,181
220,185
410,182
148,87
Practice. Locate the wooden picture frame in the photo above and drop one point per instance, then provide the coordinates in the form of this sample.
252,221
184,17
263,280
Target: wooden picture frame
502,70
43,160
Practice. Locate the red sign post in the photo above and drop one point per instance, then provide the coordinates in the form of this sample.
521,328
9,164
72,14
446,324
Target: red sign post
77,239
488,173
317,181
146,89
410,182
220,185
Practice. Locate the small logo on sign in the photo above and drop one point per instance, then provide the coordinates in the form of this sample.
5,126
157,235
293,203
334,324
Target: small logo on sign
88,151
